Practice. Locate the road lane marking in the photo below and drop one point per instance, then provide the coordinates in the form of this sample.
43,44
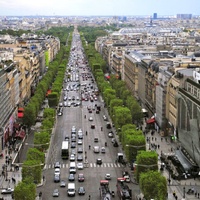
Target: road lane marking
111,164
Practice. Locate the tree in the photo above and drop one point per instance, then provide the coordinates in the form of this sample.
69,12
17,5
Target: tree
29,115
146,160
122,116
35,154
41,140
153,185
25,190
32,169
133,144
114,103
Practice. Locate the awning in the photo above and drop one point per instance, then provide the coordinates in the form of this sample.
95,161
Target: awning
20,109
20,134
20,114
150,121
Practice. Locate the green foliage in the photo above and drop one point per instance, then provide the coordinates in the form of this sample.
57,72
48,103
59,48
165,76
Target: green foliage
42,139
46,58
29,115
32,169
122,116
115,103
35,154
49,113
53,99
25,190
146,160
153,185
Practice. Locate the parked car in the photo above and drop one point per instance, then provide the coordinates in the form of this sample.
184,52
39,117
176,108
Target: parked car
7,191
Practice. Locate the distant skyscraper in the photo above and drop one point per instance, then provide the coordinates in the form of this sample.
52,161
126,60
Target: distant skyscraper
184,16
155,15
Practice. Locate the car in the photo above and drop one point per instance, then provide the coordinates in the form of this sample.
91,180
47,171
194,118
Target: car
72,157
69,104
81,190
80,142
99,161
92,126
113,140
73,139
90,111
90,119
60,113
62,183
79,157
65,98
115,144
65,104
80,150
7,191
107,176
96,139
56,178
73,145
71,177
110,134
56,193
105,118
57,171
103,150
73,151
80,165
60,104
81,178
57,165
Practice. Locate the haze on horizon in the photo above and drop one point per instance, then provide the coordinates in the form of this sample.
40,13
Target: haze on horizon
98,7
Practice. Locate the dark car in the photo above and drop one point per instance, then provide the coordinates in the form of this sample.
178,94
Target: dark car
99,161
79,158
81,178
81,191
92,126
56,178
71,177
115,144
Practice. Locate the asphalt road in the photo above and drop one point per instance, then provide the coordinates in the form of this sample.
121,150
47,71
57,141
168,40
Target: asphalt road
75,116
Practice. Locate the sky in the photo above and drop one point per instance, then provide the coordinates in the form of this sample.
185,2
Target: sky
98,7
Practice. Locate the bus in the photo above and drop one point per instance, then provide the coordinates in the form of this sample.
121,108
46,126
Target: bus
65,150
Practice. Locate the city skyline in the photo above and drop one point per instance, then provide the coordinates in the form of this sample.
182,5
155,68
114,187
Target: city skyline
98,7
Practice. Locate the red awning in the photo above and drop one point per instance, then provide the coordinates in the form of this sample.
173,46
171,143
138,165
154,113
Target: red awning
20,114
150,121
20,109
20,134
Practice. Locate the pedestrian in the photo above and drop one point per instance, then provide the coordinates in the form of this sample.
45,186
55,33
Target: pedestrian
43,178
89,197
161,139
152,138
198,195
86,133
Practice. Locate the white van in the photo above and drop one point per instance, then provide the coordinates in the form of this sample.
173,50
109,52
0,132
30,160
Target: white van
96,149
72,167
71,191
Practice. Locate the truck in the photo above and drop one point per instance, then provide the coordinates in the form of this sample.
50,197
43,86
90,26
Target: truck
123,191
105,193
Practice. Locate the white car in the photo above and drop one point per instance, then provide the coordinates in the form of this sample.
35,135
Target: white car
80,142
57,171
107,176
72,157
7,191
90,119
80,165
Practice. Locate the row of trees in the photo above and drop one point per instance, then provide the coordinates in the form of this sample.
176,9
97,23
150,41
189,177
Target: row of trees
35,159
126,114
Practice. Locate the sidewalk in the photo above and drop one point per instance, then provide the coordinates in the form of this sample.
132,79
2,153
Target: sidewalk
168,147
13,176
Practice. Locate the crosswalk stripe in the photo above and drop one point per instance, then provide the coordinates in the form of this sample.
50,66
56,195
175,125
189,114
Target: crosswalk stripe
66,165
